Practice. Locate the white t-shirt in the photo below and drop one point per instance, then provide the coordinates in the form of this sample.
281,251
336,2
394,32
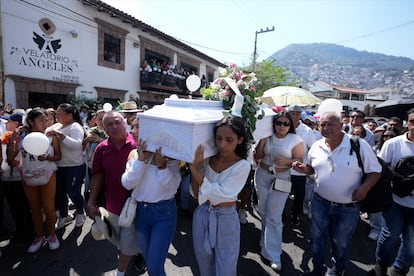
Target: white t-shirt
337,173
280,147
71,146
393,150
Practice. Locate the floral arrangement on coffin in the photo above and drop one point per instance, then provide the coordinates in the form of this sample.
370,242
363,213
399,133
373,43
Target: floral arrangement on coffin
236,90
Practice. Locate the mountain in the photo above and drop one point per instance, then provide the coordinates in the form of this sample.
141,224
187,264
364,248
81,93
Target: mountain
344,66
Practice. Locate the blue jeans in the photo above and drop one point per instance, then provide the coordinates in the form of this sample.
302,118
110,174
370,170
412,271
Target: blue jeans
216,239
185,191
155,226
398,220
376,221
338,222
69,182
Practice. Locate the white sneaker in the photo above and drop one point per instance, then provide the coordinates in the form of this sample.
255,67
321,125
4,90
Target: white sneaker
62,222
36,244
53,242
243,216
80,220
276,267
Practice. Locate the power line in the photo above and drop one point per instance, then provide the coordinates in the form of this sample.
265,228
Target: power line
377,32
212,49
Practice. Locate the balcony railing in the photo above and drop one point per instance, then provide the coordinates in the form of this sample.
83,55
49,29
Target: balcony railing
163,82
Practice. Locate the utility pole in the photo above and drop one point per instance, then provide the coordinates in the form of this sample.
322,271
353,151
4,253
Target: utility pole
255,42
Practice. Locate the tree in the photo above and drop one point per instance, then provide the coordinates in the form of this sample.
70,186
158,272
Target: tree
270,75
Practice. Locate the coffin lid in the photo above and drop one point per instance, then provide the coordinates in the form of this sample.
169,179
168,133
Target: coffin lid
186,111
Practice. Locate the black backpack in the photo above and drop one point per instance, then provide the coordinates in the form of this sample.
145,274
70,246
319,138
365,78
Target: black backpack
379,198
403,177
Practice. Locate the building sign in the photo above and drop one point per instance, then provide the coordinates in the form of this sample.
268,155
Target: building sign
83,92
45,54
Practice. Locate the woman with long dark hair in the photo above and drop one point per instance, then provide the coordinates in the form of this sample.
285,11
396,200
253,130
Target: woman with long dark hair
274,156
71,168
216,182
39,180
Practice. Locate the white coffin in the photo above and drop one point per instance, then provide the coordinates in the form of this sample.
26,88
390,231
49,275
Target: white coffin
179,125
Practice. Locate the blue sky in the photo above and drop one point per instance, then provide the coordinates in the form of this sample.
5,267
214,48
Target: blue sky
225,29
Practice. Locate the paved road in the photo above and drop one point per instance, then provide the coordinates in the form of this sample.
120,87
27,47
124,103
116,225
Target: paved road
80,254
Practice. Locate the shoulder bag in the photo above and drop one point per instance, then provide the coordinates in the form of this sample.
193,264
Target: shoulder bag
129,210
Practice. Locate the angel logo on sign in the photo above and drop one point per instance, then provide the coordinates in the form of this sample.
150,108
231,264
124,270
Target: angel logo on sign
45,56
47,43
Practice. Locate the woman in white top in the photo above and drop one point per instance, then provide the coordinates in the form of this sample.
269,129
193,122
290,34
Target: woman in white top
275,156
71,168
216,182
38,173
154,180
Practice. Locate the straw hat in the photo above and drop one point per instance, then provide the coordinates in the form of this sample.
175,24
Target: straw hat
130,107
103,229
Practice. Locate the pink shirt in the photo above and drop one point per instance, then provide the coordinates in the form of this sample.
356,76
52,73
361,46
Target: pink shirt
110,162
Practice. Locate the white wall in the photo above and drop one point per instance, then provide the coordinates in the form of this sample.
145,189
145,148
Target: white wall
76,60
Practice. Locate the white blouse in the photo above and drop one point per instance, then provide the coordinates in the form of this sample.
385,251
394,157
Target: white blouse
223,186
149,183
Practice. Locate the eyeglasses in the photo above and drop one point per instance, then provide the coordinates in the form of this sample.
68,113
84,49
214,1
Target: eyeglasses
388,136
355,116
279,123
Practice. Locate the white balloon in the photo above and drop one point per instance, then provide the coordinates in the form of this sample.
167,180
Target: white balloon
330,105
36,143
193,82
107,107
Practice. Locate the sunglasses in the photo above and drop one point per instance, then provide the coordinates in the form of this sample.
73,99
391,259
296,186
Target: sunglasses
355,116
388,136
279,123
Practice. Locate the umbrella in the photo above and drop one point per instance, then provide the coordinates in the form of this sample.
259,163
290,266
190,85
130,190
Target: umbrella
395,108
288,95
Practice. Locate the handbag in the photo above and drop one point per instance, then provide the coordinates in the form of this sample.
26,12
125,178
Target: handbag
282,185
128,212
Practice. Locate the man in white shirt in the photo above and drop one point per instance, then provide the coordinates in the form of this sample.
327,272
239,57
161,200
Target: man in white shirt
399,218
338,188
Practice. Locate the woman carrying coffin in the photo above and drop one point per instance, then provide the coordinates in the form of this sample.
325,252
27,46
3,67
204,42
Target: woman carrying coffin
216,182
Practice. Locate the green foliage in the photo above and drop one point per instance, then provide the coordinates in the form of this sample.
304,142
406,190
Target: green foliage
81,101
270,75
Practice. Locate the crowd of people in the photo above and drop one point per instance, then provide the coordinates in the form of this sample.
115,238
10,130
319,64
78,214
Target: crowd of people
162,72
306,159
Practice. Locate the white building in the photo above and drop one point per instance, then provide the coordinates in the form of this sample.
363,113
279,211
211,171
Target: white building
351,98
54,51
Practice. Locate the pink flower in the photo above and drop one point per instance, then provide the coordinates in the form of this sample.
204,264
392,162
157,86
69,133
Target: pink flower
278,108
